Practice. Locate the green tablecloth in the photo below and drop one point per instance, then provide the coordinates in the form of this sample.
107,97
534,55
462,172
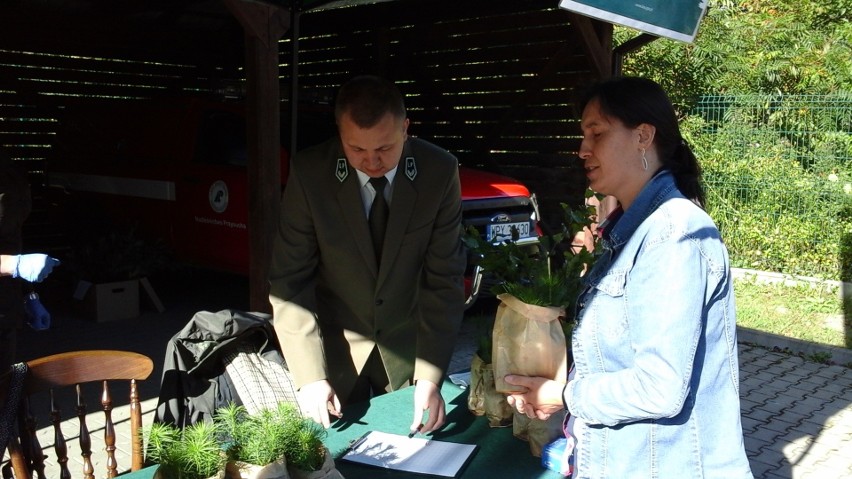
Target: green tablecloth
499,455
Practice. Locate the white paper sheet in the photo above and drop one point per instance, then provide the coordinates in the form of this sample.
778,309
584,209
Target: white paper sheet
416,454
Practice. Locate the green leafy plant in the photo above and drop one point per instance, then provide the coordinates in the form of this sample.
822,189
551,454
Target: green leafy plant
271,435
548,274
191,453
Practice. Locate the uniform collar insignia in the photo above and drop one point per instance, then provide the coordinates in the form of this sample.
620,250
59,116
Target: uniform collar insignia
410,168
342,169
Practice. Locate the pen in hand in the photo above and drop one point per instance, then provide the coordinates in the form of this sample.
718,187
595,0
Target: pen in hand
412,433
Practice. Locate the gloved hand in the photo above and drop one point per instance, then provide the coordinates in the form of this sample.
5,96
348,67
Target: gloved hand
39,316
33,267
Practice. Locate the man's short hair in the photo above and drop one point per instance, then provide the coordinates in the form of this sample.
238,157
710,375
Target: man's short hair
368,98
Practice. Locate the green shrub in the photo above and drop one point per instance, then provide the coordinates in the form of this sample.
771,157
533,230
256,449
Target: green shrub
779,184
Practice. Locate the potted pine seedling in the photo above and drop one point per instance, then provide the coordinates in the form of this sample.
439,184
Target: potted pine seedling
308,458
191,453
254,443
274,444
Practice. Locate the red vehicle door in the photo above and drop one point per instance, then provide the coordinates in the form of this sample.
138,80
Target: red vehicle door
211,200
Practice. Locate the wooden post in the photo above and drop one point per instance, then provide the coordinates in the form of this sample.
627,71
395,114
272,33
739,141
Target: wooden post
264,24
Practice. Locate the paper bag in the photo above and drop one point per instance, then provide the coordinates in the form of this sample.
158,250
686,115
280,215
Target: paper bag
537,432
528,340
328,470
483,399
245,470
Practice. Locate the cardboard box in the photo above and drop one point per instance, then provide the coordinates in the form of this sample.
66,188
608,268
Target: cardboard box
110,301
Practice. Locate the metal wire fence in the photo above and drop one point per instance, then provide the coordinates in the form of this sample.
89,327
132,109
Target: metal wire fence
778,175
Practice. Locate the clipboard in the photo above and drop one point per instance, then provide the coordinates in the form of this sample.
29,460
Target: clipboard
418,455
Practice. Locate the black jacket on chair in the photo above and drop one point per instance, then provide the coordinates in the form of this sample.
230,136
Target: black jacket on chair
195,382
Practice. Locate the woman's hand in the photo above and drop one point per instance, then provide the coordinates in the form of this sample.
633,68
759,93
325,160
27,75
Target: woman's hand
542,398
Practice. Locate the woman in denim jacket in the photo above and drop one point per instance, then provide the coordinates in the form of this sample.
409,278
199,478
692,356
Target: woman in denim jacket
654,391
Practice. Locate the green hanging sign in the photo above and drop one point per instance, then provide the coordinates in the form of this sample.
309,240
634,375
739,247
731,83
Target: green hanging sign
675,19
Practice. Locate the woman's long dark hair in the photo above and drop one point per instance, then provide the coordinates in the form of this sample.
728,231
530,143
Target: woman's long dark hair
634,101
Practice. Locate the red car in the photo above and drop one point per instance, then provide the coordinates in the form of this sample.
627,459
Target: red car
176,171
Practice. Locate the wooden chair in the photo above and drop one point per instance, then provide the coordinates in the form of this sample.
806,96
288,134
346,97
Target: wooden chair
76,368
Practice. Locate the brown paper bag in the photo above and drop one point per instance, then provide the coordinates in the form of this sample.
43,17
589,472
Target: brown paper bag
483,399
328,470
537,432
244,470
528,340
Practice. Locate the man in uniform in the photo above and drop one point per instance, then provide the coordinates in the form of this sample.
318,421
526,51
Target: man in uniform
366,277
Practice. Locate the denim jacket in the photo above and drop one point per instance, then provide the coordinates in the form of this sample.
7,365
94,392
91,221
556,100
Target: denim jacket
655,391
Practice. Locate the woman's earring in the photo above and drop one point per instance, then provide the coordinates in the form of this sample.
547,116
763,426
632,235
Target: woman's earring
644,160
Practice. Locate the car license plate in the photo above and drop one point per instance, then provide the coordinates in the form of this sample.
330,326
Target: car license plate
503,231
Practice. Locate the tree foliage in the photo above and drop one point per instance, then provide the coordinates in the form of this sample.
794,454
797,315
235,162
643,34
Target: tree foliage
776,46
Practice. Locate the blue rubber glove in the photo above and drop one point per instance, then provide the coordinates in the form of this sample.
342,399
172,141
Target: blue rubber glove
33,267
38,314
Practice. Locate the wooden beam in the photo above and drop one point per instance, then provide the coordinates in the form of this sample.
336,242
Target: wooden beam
264,25
596,38
634,43
264,22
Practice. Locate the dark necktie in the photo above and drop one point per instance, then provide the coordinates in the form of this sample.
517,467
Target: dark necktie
378,215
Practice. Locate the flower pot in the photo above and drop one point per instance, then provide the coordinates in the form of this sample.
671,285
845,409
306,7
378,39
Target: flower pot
483,398
244,470
327,471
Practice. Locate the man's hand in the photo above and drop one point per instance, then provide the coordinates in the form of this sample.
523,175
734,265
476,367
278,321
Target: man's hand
317,400
427,397
32,267
542,398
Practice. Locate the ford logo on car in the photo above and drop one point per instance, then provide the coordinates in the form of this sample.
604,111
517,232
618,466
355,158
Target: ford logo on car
501,218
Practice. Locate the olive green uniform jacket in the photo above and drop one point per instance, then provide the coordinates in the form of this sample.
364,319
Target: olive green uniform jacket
332,304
